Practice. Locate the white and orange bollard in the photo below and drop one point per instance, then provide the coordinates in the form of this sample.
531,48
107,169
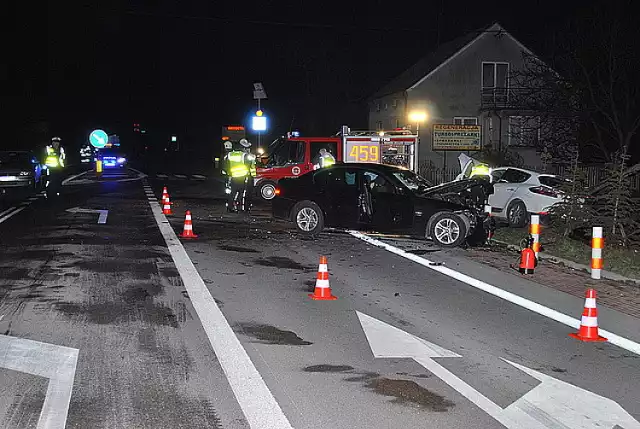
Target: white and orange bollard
487,210
597,243
534,230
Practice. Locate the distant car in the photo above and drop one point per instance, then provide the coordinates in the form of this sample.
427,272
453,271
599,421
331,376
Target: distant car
112,158
20,171
382,198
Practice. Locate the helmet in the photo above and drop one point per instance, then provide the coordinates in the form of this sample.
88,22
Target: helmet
323,151
228,145
56,139
245,143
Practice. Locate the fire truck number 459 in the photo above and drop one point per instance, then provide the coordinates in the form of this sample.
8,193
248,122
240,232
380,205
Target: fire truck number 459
365,153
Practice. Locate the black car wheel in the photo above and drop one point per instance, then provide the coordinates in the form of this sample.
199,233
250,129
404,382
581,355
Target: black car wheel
308,218
267,191
448,230
517,214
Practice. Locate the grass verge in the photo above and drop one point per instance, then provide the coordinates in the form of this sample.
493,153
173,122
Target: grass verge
624,261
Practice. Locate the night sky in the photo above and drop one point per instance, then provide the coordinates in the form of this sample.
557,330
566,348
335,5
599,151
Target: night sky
188,67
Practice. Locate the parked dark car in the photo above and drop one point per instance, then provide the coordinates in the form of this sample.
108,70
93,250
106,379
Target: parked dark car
20,171
383,198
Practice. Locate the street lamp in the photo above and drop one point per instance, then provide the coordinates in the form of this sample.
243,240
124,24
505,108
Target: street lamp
417,117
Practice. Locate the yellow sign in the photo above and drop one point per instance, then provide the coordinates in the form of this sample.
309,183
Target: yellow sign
369,152
457,137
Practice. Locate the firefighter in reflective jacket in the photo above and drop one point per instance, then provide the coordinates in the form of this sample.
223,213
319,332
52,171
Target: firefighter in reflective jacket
241,169
325,159
55,157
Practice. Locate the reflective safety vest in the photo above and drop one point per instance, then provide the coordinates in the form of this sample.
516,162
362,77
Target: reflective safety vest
327,160
241,164
54,159
480,170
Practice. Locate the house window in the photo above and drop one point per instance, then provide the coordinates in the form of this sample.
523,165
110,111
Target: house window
379,125
386,106
495,83
465,120
377,107
524,131
394,103
397,122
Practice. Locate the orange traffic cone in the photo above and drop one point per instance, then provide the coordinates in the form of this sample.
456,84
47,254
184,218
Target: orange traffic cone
187,232
527,261
589,323
166,206
165,194
322,290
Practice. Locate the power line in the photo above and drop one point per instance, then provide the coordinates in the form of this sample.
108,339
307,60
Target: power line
277,23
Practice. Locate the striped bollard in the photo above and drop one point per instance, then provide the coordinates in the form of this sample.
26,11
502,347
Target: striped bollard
487,210
597,243
534,230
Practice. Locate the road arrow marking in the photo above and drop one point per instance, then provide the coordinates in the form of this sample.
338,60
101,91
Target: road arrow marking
102,214
553,404
57,363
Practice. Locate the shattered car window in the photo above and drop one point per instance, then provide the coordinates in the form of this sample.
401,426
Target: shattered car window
412,180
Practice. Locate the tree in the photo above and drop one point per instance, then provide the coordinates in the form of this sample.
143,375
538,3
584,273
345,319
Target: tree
587,92
575,211
616,210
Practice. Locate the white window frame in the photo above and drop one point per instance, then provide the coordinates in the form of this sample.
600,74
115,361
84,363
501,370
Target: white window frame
397,122
495,77
394,103
462,119
520,118
379,125
377,106
386,106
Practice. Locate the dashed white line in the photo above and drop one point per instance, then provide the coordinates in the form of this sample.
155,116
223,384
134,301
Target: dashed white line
13,213
493,290
180,176
199,176
258,404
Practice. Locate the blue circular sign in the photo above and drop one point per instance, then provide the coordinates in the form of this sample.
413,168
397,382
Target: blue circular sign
98,139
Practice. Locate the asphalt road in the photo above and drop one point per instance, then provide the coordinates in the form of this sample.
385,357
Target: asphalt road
139,331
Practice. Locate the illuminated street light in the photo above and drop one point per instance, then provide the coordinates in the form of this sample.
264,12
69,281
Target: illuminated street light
418,117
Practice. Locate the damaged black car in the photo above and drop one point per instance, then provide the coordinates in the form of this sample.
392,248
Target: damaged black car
385,199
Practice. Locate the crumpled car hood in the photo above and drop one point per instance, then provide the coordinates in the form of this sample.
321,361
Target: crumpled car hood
470,193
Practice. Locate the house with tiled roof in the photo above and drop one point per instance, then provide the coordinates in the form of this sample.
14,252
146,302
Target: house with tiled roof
464,88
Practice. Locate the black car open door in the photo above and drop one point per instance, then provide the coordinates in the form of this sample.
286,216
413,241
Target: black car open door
391,211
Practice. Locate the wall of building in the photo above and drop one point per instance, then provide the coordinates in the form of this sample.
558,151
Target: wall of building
454,90
388,112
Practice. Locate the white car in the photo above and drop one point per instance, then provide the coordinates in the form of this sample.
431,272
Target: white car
517,192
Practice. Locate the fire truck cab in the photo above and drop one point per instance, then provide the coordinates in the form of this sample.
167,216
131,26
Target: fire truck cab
292,156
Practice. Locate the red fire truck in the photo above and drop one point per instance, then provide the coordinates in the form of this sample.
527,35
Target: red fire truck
293,156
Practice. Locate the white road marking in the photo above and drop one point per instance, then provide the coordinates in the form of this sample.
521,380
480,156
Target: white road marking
13,213
102,214
254,397
7,211
70,178
162,176
619,341
552,404
1,317
199,176
180,176
57,363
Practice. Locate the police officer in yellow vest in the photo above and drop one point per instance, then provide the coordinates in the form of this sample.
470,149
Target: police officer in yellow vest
481,171
241,169
55,156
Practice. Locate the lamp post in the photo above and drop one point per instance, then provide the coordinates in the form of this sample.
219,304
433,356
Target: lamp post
417,117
